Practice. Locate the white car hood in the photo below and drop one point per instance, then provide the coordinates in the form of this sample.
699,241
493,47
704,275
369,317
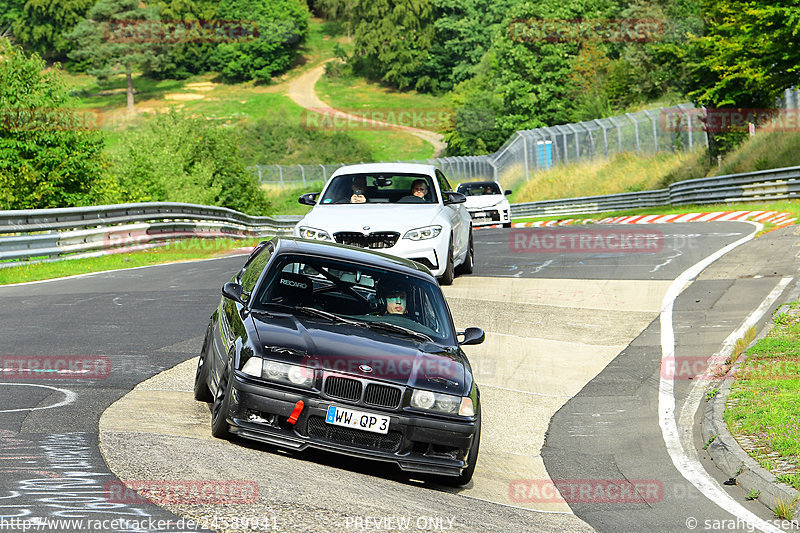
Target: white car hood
378,217
479,202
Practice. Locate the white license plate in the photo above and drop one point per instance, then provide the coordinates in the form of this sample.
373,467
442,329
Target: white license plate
349,418
480,214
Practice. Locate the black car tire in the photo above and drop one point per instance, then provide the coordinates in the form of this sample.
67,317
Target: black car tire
449,270
472,459
507,224
222,402
469,262
201,391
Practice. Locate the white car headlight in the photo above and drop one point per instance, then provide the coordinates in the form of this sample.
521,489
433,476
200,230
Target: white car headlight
420,234
301,376
314,233
442,403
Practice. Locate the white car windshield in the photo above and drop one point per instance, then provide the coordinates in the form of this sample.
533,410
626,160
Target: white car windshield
479,188
380,188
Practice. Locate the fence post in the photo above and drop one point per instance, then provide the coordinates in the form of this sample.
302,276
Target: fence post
280,172
303,174
324,175
259,174
688,125
655,132
636,131
525,152
577,143
605,137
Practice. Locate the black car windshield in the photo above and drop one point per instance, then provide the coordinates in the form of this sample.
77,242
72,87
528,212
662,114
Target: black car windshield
380,188
370,296
479,188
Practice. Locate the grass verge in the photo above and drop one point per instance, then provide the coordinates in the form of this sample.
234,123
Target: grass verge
764,403
184,250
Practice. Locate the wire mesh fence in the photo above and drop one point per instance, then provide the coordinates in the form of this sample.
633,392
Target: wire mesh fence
667,129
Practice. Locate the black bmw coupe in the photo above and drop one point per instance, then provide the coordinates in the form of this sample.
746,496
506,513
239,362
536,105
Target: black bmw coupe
346,350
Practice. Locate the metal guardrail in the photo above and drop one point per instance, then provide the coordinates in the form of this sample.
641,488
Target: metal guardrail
51,234
83,231
774,184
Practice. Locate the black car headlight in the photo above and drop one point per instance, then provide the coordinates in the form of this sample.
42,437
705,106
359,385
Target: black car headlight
442,403
299,376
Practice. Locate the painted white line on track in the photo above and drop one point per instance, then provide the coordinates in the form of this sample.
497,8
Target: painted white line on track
69,397
690,467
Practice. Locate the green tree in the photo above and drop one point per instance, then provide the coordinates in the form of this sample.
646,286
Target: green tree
119,36
282,27
185,159
44,25
393,39
748,54
10,12
49,157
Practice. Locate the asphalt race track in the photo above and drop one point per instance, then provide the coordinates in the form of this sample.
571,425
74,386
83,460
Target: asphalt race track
570,381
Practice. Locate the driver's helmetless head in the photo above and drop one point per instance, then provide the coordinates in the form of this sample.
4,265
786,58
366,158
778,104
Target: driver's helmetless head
359,183
396,302
419,188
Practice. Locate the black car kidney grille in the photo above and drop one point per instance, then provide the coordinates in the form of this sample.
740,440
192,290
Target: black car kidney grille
317,427
378,239
343,388
382,396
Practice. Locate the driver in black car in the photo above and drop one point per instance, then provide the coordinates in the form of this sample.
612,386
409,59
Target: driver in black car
395,299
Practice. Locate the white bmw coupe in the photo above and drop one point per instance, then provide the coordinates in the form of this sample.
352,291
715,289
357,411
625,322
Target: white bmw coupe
403,209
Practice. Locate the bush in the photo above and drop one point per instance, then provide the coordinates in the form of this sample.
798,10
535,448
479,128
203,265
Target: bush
279,140
48,155
282,27
181,159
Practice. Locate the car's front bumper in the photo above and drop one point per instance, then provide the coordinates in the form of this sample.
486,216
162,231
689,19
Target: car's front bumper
490,216
415,443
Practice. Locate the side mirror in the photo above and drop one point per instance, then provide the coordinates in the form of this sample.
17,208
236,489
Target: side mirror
507,192
451,197
473,336
309,198
233,291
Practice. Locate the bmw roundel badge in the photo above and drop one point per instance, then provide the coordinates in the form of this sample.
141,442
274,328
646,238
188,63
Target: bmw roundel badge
365,228
365,368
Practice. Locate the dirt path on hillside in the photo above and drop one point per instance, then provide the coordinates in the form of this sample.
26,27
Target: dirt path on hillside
301,91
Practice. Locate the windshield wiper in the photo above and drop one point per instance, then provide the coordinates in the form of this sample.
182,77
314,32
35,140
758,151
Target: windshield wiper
311,311
398,329
325,314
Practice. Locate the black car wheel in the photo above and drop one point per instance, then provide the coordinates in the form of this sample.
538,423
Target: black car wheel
469,262
507,224
222,402
449,271
472,459
201,390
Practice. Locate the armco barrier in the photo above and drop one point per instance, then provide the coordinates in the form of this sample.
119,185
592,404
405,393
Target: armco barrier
81,231
774,184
